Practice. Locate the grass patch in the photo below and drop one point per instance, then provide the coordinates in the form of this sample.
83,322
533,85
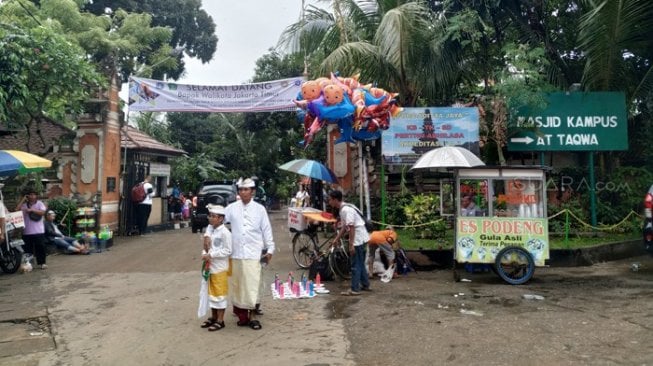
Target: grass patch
409,242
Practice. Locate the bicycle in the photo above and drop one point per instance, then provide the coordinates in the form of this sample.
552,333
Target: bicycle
306,248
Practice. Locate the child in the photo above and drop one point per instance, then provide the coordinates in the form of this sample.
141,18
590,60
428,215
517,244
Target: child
217,249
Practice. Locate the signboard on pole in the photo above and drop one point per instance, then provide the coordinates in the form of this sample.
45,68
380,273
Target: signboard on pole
415,131
573,122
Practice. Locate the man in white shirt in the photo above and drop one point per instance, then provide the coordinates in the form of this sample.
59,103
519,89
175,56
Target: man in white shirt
354,225
143,209
251,232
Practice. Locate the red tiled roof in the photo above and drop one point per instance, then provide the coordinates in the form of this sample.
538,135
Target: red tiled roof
132,138
42,137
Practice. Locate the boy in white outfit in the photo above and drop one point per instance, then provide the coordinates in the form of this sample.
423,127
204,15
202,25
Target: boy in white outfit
217,249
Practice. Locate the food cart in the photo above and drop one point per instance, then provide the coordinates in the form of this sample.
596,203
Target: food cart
501,220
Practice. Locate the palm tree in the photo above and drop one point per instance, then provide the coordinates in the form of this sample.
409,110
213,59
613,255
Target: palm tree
389,42
617,38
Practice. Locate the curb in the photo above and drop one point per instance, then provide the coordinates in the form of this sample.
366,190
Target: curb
441,259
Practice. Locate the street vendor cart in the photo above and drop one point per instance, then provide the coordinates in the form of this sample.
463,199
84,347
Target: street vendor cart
501,220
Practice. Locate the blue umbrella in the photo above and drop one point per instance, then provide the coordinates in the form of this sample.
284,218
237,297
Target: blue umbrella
310,168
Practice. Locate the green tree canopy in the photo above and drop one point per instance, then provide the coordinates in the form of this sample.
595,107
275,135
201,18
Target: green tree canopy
192,28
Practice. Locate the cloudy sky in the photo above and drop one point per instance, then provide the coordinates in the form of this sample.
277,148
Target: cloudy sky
246,30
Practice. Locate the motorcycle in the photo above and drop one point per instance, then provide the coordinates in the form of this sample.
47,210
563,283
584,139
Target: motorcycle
11,251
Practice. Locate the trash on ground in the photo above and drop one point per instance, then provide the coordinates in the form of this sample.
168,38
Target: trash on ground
532,297
470,312
465,280
635,266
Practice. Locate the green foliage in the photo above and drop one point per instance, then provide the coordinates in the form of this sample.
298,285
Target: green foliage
425,209
190,171
621,192
191,27
43,73
395,214
154,124
64,208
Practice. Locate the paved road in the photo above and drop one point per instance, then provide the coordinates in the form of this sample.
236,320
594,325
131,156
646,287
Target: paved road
136,305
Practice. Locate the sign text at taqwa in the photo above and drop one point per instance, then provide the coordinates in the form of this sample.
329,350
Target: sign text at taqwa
572,122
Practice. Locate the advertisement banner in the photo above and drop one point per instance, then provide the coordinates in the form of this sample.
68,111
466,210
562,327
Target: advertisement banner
479,239
147,95
415,131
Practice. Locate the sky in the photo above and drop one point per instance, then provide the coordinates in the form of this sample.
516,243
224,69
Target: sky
246,29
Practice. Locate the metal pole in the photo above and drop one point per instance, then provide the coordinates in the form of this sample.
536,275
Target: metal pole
366,188
360,175
592,189
383,198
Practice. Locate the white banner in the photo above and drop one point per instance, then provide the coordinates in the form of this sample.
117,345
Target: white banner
147,95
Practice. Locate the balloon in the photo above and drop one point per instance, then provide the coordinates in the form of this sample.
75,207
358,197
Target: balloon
312,131
334,112
333,94
345,131
361,111
310,90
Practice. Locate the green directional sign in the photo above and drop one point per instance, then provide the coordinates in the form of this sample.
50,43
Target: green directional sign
572,122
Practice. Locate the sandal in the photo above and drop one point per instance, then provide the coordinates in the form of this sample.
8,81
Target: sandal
216,326
255,324
258,311
209,322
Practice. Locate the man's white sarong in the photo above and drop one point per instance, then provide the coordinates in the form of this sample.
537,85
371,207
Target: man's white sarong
245,282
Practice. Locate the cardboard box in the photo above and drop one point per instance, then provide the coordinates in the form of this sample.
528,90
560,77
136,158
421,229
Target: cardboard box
296,219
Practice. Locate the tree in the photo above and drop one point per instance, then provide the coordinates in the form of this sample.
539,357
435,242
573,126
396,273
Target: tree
387,42
192,28
42,74
155,125
71,47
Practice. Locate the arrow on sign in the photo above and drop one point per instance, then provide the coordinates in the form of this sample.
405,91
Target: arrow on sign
523,140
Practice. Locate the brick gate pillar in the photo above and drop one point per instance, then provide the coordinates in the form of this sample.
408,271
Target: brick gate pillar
97,172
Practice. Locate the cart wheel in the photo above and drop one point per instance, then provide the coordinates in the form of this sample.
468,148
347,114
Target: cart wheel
303,246
514,265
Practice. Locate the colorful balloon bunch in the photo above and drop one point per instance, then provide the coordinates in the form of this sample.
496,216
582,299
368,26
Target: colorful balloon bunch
361,111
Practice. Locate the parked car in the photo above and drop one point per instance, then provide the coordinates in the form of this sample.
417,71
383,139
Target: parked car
213,192
648,220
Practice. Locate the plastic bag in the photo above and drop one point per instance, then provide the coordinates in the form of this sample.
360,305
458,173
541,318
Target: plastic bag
387,275
204,299
26,265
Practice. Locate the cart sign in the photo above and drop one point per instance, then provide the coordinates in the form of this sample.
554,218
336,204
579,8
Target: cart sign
572,122
15,219
479,239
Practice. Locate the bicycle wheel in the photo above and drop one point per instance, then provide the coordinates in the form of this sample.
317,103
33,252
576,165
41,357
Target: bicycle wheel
303,249
340,262
514,265
10,261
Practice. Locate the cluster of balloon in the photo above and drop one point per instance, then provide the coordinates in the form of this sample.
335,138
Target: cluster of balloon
361,111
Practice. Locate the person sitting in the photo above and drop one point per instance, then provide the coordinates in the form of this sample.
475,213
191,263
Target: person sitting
468,207
54,236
